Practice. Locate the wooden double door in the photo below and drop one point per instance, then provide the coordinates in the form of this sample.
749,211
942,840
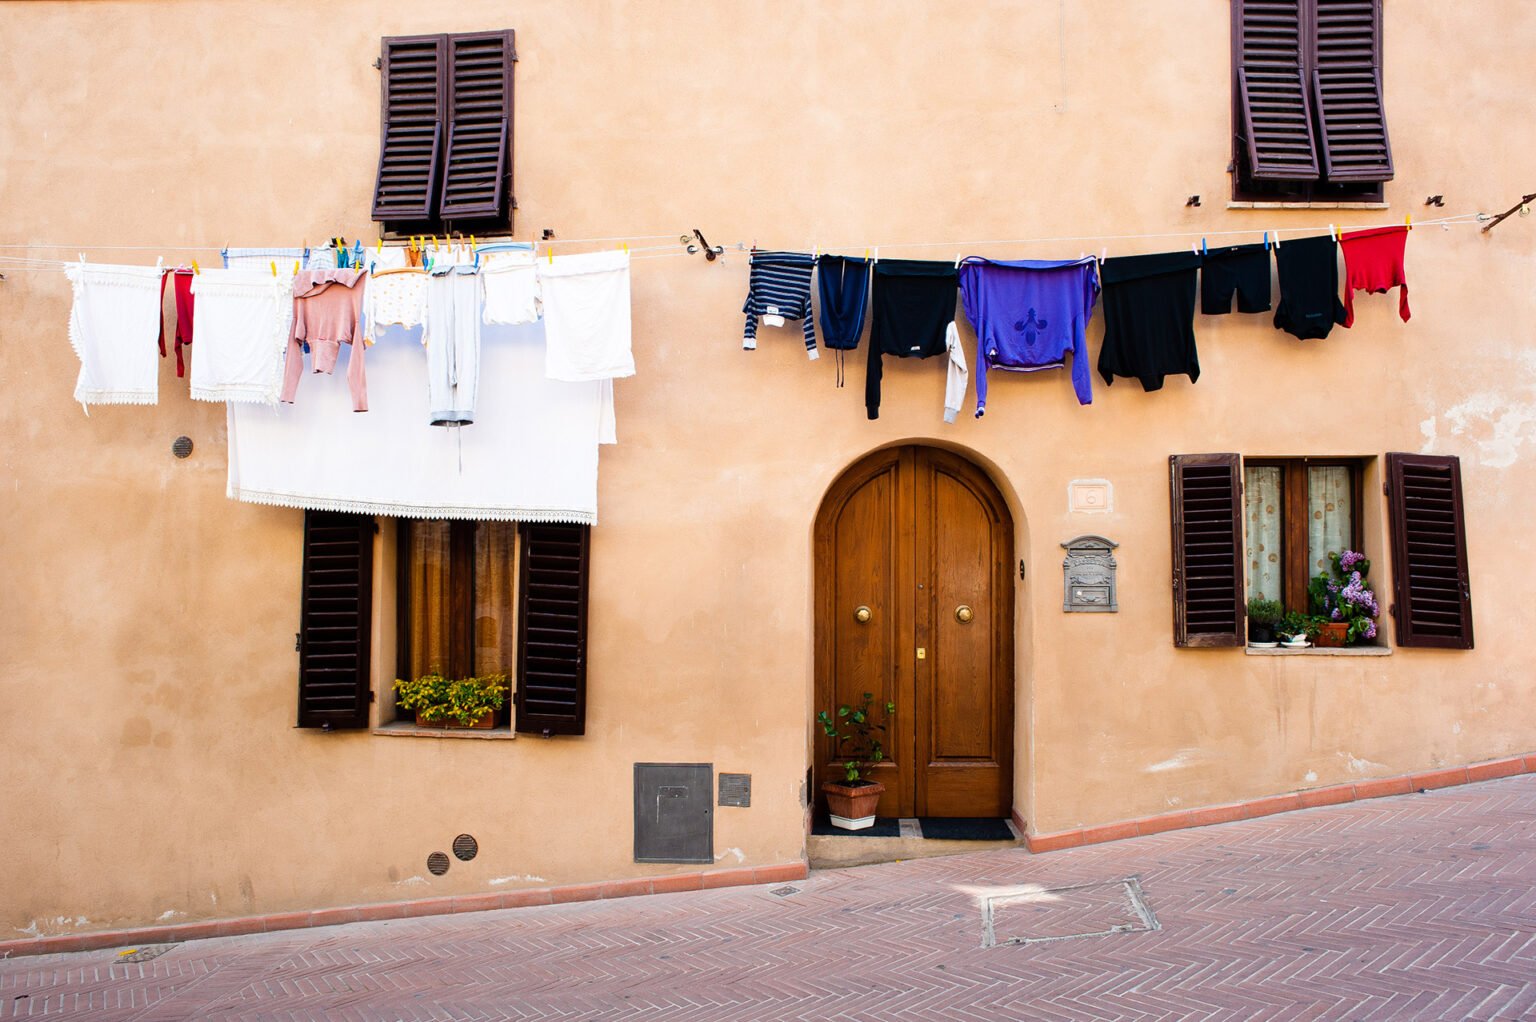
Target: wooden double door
914,603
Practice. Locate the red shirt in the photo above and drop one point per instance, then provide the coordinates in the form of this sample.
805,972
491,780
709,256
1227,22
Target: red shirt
1373,261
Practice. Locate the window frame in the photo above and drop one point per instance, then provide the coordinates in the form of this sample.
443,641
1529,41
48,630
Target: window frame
1294,497
1320,189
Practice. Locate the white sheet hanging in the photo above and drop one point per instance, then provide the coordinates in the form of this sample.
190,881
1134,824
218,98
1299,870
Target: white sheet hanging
114,327
242,318
530,456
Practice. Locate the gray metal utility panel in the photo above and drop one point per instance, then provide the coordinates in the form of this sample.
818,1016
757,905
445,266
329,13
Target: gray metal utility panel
674,819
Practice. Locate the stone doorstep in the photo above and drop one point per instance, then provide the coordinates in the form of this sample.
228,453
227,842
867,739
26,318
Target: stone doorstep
479,902
1252,809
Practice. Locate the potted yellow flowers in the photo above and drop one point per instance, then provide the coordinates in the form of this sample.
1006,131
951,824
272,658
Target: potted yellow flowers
453,702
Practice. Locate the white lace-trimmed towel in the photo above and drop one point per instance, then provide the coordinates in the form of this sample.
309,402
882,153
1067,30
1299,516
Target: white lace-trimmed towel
242,330
586,316
511,285
114,327
531,456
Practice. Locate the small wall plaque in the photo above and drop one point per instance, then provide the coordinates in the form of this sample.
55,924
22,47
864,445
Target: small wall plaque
1090,496
1088,576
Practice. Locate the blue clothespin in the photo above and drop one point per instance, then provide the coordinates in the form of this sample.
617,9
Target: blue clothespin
1266,241
1203,250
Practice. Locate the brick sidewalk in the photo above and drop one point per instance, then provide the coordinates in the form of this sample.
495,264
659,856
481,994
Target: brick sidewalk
1421,906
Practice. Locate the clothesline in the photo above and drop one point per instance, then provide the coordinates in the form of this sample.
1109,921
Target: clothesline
1456,220
35,263
220,248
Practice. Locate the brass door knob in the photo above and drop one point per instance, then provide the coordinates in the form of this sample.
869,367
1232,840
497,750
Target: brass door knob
861,615
963,614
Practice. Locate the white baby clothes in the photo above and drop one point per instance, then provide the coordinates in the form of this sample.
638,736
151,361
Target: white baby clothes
452,340
395,298
586,316
958,377
243,318
511,286
114,327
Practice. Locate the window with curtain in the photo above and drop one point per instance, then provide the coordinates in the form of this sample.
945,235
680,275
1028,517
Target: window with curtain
1296,512
458,598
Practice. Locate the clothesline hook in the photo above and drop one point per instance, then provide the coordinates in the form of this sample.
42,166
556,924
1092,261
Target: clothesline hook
711,252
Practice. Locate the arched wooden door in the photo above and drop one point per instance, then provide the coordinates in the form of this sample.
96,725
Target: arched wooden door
923,539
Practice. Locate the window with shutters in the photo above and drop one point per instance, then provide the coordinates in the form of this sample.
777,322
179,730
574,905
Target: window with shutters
1309,122
1296,511
477,598
445,144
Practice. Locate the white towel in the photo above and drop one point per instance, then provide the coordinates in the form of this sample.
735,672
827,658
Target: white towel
530,456
956,379
114,327
242,331
511,287
586,316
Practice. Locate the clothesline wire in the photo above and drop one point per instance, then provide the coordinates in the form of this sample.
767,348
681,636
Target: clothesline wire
675,237
1455,220
1459,219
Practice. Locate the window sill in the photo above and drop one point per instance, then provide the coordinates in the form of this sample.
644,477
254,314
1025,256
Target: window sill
405,729
1237,204
1322,651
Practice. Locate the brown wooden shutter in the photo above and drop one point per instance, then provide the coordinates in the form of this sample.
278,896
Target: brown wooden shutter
552,629
1273,98
1207,549
477,165
1346,79
414,95
1431,589
335,618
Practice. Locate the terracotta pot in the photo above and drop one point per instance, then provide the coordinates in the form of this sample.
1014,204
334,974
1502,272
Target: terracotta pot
852,808
484,723
1333,633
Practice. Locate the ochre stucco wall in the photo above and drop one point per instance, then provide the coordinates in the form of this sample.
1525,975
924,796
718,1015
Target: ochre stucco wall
152,771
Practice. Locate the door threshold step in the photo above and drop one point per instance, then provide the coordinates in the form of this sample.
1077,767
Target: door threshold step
860,848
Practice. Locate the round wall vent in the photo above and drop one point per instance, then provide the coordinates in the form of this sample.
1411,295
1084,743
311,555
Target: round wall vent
437,864
182,447
465,847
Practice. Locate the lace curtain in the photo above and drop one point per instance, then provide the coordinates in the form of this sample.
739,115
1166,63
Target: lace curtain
1330,510
1262,530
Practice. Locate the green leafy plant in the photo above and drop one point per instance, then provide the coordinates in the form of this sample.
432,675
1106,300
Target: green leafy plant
1296,623
857,730
1265,612
436,698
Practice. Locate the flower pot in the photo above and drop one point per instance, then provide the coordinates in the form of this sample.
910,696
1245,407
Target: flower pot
852,806
1333,633
452,723
1261,631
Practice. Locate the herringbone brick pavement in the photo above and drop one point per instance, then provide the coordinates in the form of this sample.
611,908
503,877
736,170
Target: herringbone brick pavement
1416,907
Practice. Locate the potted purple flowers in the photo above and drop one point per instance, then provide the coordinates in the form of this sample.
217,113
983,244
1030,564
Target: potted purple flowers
1345,601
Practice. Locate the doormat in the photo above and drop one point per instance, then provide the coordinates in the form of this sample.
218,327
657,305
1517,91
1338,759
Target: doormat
965,828
885,826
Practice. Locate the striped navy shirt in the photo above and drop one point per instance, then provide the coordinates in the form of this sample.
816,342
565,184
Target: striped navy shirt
780,286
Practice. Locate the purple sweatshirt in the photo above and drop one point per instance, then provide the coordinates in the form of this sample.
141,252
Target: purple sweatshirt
1028,314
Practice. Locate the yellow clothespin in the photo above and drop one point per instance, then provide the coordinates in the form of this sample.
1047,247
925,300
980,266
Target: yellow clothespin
1408,221
473,245
551,253
295,267
195,267
434,243
866,254
625,246
381,245
274,267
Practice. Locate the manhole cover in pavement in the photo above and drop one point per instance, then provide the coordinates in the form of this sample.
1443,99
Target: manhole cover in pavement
1062,913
